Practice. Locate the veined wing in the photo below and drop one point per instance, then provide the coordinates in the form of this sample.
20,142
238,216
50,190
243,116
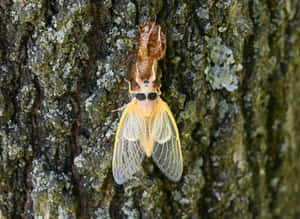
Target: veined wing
167,149
128,153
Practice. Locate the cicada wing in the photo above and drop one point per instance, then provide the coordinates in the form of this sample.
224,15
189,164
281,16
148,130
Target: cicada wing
133,125
167,149
128,153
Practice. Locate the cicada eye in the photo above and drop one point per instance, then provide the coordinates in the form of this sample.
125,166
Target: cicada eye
152,96
140,96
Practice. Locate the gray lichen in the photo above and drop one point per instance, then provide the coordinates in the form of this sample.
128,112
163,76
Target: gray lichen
52,193
222,69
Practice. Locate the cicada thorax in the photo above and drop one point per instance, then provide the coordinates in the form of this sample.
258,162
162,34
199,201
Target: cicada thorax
146,98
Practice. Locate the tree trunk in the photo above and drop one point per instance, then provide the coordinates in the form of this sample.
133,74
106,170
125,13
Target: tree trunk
231,76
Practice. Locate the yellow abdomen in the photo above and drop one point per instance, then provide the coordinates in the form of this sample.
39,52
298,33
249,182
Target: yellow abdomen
147,145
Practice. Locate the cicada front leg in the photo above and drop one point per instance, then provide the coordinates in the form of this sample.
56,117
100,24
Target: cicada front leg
129,87
130,91
158,90
153,69
129,57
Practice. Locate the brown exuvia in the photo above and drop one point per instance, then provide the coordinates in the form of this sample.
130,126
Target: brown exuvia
152,48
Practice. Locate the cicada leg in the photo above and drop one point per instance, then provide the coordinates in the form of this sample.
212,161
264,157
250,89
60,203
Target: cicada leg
137,75
130,57
158,90
120,108
133,38
129,87
130,91
153,75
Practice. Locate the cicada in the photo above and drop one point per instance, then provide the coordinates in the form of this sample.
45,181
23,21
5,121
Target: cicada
147,129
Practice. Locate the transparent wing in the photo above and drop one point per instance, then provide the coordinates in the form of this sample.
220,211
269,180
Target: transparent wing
128,153
167,149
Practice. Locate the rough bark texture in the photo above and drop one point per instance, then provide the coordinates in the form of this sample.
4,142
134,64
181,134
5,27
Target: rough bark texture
231,76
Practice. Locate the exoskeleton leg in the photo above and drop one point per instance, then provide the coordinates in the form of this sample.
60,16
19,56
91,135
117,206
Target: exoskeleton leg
158,90
129,87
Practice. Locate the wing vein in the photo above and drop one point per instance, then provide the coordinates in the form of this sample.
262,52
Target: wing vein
167,151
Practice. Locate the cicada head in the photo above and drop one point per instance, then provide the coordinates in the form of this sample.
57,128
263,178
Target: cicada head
146,96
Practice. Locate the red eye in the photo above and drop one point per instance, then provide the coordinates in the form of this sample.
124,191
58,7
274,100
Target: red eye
154,86
137,87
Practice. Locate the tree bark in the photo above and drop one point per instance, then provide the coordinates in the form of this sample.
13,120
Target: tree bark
231,76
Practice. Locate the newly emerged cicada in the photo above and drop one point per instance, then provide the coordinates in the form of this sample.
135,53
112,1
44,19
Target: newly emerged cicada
147,128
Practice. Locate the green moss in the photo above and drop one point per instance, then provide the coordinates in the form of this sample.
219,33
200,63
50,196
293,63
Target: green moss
27,11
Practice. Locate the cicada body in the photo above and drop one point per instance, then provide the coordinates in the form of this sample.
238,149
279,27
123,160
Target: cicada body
147,128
